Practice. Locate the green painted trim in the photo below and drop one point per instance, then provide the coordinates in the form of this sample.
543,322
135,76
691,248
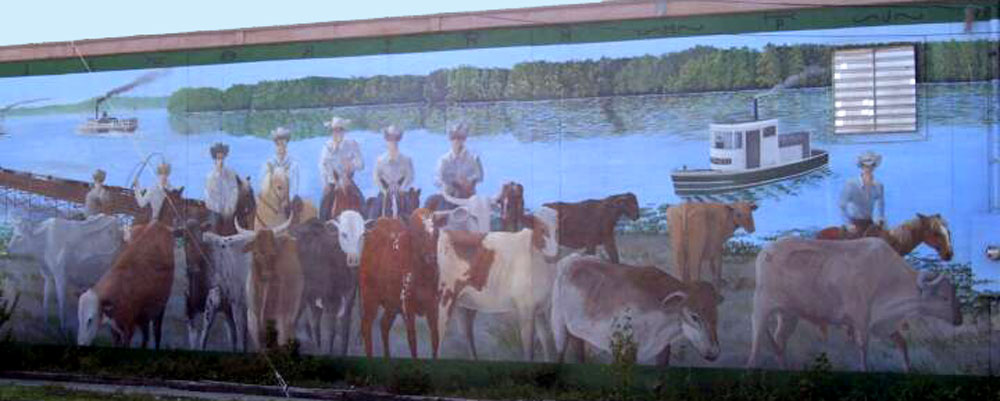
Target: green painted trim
805,19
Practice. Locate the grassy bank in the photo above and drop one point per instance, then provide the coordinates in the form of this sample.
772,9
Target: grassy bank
499,380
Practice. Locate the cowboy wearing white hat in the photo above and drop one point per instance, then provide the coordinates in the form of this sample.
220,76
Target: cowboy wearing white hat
459,170
393,170
98,199
154,196
281,161
862,202
222,189
338,161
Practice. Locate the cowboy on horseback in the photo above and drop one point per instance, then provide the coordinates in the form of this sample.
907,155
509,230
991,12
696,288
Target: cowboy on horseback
155,196
282,163
222,191
459,170
340,158
862,201
393,172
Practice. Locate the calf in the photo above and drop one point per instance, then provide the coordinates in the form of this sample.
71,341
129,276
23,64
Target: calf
590,295
698,232
590,223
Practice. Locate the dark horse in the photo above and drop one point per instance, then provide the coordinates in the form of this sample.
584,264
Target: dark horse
338,198
399,204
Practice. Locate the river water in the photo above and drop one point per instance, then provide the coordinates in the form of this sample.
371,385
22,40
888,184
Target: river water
576,149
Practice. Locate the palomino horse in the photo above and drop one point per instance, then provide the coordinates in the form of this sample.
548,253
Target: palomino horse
274,205
345,196
930,230
398,203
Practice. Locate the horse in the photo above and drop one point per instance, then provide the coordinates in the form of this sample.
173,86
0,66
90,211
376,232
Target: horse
931,230
511,200
398,203
345,196
274,205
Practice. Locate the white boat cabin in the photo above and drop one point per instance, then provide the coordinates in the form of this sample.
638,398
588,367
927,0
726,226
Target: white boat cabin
754,144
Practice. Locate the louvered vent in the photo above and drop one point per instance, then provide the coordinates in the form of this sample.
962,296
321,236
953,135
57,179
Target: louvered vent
875,90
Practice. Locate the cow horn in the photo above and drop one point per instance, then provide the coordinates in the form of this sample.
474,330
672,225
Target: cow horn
457,201
240,229
927,279
284,226
676,296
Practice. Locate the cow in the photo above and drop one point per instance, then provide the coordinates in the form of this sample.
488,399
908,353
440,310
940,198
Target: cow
500,272
698,232
590,223
863,284
331,284
477,208
224,289
134,292
399,275
275,284
590,296
68,251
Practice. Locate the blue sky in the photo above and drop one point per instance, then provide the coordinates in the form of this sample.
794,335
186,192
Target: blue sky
76,87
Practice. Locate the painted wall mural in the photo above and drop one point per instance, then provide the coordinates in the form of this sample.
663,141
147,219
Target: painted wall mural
514,203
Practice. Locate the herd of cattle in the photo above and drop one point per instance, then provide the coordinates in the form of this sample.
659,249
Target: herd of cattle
438,263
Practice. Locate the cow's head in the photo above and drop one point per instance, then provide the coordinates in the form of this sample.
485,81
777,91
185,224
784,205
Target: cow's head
24,234
938,297
626,204
424,226
90,315
698,306
742,213
350,234
479,209
937,235
544,224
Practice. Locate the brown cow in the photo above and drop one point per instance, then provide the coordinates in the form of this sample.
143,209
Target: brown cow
698,232
134,292
399,274
592,222
275,284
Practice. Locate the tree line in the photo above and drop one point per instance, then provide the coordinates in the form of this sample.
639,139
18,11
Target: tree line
700,69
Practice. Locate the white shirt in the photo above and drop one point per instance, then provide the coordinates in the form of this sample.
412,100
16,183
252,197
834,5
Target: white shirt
97,201
222,191
333,156
453,165
389,171
153,197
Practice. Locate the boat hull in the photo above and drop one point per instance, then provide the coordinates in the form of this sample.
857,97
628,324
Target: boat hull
701,182
98,127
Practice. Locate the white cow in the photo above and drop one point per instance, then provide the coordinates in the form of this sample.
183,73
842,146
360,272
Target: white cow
226,289
501,272
87,247
476,212
862,284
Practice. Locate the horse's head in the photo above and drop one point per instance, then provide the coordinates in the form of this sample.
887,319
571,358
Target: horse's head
276,186
937,235
246,206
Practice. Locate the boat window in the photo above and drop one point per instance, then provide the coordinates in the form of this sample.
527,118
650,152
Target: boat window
770,131
723,140
721,160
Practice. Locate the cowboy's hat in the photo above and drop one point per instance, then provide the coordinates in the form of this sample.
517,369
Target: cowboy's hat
100,175
281,134
392,133
458,130
869,159
219,148
337,123
163,169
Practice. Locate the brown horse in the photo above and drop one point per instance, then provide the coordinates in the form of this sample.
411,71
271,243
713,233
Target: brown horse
344,196
511,202
403,203
930,230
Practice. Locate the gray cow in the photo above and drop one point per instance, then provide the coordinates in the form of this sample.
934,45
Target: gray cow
226,290
589,294
330,285
68,251
862,284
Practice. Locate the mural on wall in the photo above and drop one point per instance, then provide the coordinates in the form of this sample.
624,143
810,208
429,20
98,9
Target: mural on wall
518,201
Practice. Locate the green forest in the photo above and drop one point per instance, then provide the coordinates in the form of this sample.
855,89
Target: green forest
700,69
